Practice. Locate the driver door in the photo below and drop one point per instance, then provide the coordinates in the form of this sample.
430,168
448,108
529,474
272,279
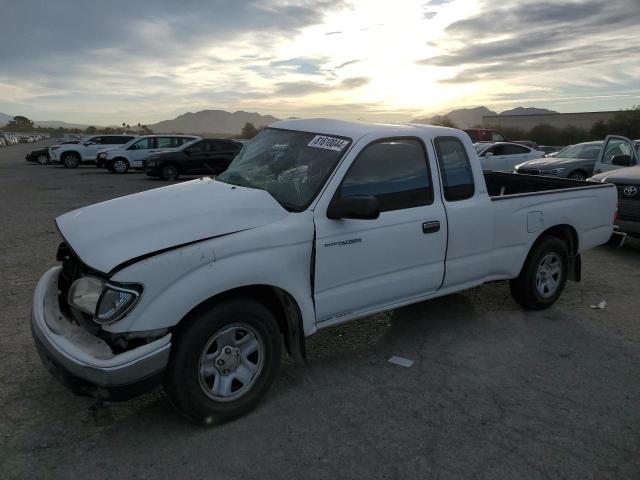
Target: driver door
617,152
365,264
91,147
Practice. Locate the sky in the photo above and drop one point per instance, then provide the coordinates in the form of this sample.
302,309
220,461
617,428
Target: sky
113,61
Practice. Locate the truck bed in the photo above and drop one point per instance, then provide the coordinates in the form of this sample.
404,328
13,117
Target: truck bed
503,184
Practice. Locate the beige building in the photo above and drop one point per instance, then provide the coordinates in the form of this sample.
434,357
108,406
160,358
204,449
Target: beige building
559,120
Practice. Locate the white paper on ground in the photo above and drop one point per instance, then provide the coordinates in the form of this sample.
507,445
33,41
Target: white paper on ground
403,362
600,306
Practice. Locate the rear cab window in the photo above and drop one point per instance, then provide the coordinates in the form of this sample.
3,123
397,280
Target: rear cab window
455,169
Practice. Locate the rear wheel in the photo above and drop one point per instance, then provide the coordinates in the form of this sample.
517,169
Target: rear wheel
169,172
224,361
543,276
120,165
71,160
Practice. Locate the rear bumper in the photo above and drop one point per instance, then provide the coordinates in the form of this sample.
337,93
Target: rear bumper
85,363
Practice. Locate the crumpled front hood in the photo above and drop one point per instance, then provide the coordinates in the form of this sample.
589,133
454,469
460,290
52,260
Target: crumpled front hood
107,234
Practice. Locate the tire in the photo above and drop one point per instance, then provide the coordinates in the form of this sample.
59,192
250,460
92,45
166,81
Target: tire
120,165
199,387
169,172
577,175
43,159
70,160
543,276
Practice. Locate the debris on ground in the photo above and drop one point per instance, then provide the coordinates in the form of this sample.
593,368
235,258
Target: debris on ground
403,362
600,306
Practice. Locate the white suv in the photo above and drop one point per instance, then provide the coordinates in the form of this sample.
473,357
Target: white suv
131,155
86,151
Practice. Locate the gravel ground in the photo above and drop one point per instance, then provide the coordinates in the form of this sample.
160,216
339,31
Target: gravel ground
494,392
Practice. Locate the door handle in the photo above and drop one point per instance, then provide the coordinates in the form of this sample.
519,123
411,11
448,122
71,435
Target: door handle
431,227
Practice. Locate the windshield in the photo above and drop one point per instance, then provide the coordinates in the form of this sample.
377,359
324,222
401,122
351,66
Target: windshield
588,151
481,146
292,166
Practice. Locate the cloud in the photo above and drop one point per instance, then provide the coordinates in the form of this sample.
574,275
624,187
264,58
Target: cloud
337,32
306,87
540,37
345,64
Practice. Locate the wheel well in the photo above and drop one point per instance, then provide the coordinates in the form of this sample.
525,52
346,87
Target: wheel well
71,152
567,234
280,303
122,158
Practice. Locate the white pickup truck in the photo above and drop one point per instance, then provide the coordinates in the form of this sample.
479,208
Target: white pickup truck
315,223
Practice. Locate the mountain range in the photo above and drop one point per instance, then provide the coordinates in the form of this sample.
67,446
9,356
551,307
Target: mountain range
471,117
212,121
220,122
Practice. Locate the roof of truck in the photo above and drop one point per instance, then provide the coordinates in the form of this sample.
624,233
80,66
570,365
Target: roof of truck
357,130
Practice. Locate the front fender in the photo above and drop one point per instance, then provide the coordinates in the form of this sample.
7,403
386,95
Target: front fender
176,281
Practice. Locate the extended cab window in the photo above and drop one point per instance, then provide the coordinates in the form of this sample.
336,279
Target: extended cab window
455,168
393,171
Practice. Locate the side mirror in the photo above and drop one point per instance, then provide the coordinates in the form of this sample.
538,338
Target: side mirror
359,208
621,160
488,154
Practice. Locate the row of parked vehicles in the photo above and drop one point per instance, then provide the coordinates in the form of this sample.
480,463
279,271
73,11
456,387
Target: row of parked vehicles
164,156
8,139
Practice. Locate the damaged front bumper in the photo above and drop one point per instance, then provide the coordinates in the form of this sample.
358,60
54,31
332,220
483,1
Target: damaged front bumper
85,363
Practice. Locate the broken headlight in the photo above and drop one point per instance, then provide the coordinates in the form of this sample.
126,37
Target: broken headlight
116,301
105,302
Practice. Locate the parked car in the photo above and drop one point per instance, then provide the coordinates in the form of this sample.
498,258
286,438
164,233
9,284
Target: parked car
528,143
3,141
503,156
315,223
484,135
582,160
627,182
203,157
575,162
41,156
549,150
131,155
72,155
618,152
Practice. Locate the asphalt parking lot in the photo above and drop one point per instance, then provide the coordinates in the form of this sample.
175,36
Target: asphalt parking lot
494,393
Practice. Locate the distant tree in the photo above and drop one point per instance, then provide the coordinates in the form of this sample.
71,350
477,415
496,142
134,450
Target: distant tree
248,131
91,130
443,121
544,134
625,123
599,130
146,130
19,124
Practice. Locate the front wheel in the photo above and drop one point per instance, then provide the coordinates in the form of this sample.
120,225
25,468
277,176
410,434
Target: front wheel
120,165
43,159
71,160
169,172
543,276
224,361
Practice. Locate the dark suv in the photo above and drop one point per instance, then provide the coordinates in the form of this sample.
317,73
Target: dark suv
203,157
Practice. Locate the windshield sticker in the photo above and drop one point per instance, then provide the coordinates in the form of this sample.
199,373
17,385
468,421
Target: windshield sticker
328,143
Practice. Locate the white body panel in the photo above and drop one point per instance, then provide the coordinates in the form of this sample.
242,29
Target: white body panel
228,237
506,163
